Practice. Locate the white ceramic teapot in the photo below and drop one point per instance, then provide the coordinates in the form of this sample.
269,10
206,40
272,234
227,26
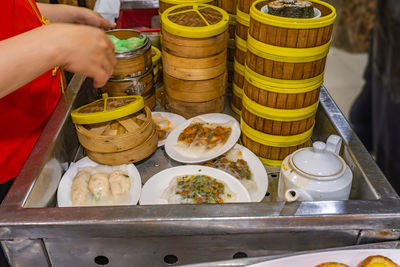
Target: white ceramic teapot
315,173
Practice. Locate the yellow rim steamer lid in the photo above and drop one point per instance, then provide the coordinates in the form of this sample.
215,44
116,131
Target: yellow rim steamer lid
156,58
136,105
293,23
207,29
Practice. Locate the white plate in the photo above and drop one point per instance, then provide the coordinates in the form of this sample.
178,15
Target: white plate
175,119
156,185
259,173
172,148
348,257
317,13
64,188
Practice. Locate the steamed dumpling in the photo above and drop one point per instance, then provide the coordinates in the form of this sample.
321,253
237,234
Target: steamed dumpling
99,185
79,189
120,183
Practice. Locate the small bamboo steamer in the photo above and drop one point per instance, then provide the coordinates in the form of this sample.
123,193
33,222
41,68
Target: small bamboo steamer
231,50
269,154
242,24
230,71
277,121
232,26
241,50
194,31
290,32
238,74
134,62
195,91
228,5
194,69
115,126
244,5
144,150
190,110
165,4
236,102
287,48
157,66
281,94
150,100
139,85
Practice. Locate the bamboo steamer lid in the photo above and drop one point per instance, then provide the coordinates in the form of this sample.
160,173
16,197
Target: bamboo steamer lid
107,109
165,4
195,21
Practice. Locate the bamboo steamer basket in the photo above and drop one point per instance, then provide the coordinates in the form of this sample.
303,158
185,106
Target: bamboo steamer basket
242,24
282,122
244,5
190,110
273,134
133,62
228,5
139,85
156,62
195,91
115,130
232,26
238,75
241,50
270,153
236,102
231,50
165,4
281,94
194,69
194,31
287,48
230,71
150,99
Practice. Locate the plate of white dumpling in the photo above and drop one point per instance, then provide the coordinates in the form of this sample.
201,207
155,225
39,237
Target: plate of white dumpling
87,183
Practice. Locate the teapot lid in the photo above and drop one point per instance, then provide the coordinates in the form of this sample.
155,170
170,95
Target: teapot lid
317,161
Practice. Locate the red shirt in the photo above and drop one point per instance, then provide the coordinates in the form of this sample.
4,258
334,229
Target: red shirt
24,112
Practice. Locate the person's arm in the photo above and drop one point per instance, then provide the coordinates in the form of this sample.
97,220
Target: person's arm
71,14
75,48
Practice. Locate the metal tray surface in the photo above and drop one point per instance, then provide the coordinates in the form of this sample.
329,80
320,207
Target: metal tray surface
31,224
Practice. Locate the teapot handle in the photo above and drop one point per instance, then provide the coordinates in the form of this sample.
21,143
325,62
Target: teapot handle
333,144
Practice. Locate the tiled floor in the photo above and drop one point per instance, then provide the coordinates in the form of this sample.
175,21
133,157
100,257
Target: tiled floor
344,77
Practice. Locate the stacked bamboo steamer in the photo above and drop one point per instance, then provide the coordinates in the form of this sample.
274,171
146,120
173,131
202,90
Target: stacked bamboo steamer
242,28
230,7
116,130
165,4
133,73
284,70
194,48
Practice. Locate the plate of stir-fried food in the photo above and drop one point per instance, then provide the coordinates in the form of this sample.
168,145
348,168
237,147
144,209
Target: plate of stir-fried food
202,138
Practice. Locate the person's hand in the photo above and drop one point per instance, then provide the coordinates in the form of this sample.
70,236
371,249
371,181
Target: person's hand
87,16
84,50
72,14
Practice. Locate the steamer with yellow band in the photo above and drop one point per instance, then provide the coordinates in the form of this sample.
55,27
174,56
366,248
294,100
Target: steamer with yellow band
288,48
237,86
195,39
165,4
272,149
116,130
282,94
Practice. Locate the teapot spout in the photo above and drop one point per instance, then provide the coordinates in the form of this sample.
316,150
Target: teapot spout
291,195
296,195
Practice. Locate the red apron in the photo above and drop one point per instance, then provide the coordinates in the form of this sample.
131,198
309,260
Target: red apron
24,112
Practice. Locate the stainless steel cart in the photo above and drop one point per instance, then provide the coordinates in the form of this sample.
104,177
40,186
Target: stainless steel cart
34,232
